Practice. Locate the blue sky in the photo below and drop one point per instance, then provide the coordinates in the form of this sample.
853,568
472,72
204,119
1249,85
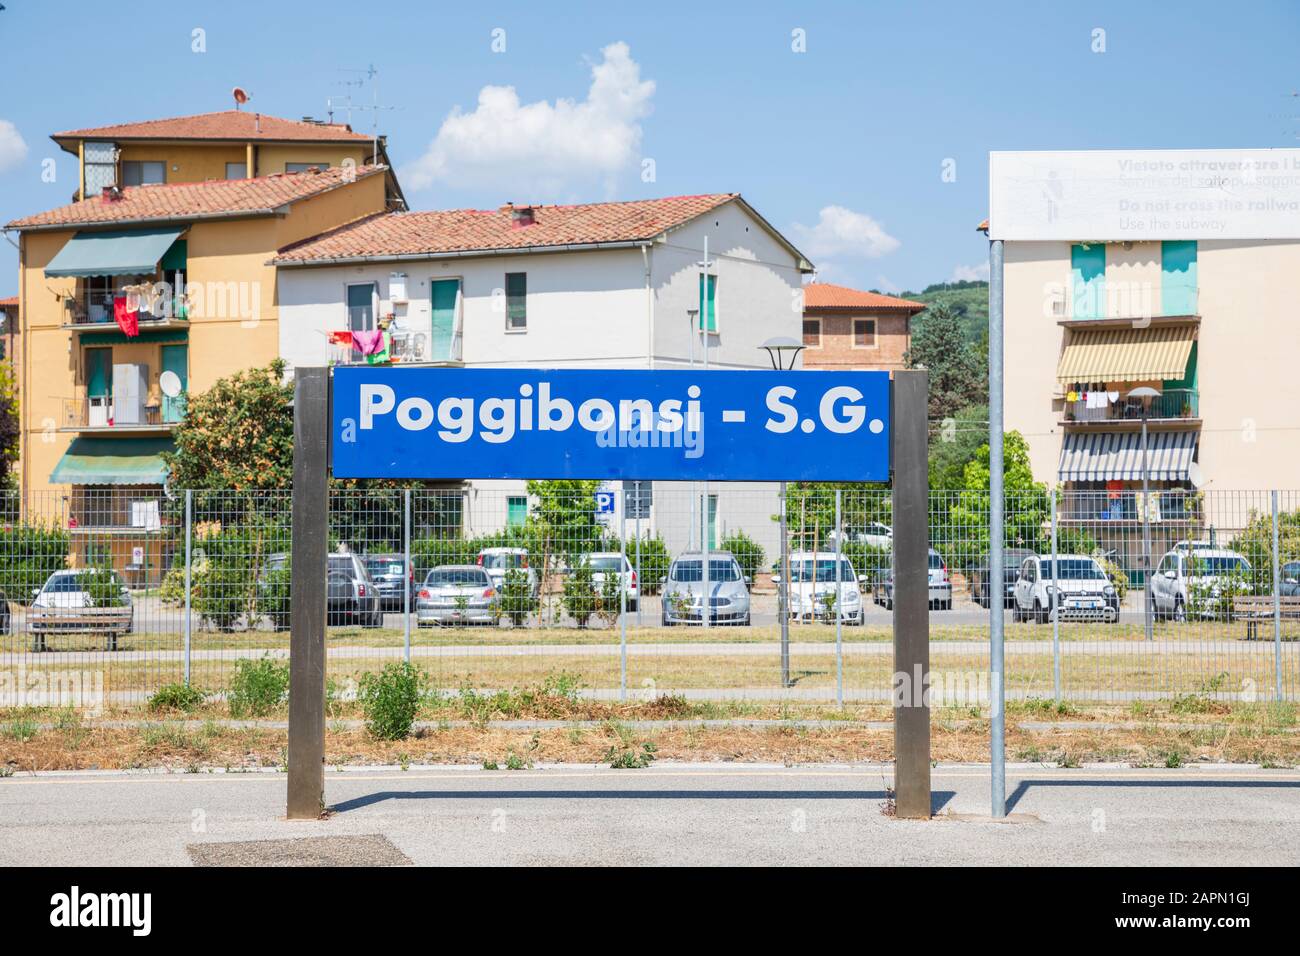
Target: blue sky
842,146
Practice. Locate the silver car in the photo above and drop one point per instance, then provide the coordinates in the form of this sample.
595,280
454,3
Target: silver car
683,591
456,594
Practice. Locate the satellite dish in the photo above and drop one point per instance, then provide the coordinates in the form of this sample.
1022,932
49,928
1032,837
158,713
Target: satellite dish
170,383
241,97
1194,475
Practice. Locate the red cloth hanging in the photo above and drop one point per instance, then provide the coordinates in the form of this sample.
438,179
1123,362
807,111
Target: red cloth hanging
128,319
341,338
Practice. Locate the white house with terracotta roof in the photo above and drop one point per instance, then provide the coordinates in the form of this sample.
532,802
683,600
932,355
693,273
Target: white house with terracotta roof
600,285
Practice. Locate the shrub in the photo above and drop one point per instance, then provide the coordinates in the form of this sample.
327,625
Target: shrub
176,697
391,699
654,562
748,552
258,686
869,559
580,598
234,579
1118,579
29,554
610,602
515,598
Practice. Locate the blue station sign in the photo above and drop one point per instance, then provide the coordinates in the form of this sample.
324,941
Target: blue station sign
670,425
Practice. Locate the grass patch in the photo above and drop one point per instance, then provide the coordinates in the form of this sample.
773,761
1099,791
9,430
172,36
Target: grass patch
176,697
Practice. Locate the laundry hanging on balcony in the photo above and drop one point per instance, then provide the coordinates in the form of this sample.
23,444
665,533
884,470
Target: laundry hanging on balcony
126,312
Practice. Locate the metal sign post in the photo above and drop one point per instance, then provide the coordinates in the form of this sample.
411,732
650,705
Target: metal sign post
308,573
997,609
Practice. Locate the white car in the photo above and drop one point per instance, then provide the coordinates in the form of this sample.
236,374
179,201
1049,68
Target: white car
1077,587
1193,580
875,534
608,562
497,561
812,580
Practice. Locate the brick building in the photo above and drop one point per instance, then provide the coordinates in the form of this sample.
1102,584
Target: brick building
849,329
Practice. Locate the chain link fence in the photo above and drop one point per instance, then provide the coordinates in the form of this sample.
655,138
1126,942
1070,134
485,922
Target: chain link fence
1110,596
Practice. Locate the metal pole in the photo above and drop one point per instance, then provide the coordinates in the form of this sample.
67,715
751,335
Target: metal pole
706,605
839,603
640,578
1056,600
622,603
997,609
310,543
1277,609
1146,530
407,573
783,595
909,435
189,540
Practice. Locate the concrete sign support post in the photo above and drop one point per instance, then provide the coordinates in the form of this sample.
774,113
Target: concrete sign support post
911,596
997,610
308,575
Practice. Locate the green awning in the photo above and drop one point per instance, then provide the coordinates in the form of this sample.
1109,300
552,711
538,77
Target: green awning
113,461
115,253
115,336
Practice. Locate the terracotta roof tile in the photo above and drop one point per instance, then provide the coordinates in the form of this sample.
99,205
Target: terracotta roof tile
823,295
470,230
226,124
9,303
222,197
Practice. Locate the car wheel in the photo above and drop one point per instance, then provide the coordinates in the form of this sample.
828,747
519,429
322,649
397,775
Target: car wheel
946,605
1180,610
1040,615
1015,612
1112,615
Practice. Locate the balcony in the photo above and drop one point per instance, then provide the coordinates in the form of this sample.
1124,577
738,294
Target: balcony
102,415
1168,505
89,311
1177,405
1116,304
408,348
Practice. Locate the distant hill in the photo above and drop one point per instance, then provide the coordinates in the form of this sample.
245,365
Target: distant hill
970,300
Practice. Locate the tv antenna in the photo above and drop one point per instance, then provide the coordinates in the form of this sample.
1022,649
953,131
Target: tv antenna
368,75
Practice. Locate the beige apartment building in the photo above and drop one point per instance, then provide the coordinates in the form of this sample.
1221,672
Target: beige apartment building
849,329
1209,324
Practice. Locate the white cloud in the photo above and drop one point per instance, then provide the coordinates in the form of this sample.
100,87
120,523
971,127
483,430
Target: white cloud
544,147
888,285
975,273
13,150
843,232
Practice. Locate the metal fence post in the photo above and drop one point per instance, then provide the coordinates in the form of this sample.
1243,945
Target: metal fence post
783,594
997,502
189,598
1056,616
1277,608
640,578
308,573
839,603
622,598
408,573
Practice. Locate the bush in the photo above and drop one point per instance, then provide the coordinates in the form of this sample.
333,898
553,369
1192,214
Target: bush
29,554
232,581
515,598
258,687
176,697
654,563
610,603
748,552
869,559
390,699
580,598
1118,579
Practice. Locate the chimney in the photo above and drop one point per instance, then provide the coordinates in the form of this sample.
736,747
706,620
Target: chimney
110,194
520,216
257,120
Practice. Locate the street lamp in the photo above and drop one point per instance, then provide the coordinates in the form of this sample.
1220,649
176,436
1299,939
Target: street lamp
778,349
1146,394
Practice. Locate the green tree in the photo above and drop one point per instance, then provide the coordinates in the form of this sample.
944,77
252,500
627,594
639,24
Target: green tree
9,427
957,377
953,443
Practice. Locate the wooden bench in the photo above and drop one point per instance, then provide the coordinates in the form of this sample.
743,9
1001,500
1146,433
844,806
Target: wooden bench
1257,609
112,622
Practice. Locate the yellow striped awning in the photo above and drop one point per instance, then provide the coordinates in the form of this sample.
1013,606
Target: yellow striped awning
1126,354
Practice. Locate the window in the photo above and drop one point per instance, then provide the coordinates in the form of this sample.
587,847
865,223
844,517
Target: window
137,173
812,333
516,511
864,333
236,170
516,301
361,307
303,167
713,522
709,312
101,167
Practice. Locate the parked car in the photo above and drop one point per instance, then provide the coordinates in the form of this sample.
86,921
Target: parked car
875,534
390,573
1198,582
497,561
456,594
1076,586
940,585
6,622
362,607
812,580
683,590
1290,579
980,578
85,600
609,562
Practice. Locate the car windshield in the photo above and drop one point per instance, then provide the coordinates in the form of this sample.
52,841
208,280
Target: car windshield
63,584
383,566
605,563
1218,564
804,571
935,560
1073,569
444,577
694,570
502,561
